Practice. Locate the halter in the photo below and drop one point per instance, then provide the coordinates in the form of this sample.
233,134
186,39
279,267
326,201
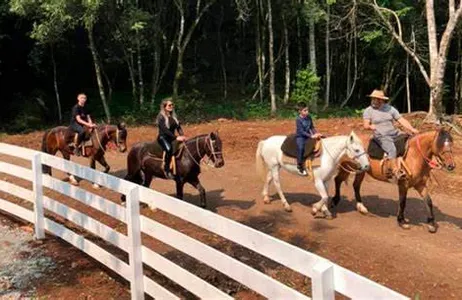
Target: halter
108,136
209,144
433,164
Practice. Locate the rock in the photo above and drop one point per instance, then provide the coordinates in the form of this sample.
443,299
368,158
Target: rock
5,284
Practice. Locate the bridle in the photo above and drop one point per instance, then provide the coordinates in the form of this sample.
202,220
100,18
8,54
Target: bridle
108,136
439,163
209,144
350,170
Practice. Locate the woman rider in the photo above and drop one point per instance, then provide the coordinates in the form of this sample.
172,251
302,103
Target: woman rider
168,123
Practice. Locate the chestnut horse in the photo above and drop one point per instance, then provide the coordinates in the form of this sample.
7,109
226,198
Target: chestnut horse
418,162
61,138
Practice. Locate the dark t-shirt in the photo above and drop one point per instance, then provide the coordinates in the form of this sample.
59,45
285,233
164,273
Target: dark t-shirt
168,132
78,110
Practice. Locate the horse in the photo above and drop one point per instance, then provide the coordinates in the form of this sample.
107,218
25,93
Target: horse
418,162
142,165
269,161
61,138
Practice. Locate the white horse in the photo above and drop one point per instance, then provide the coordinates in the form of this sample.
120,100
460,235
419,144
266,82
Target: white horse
269,162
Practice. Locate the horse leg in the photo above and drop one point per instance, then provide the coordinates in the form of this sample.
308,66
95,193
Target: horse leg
402,221
322,187
102,161
269,179
179,188
423,191
341,177
196,183
277,184
71,177
357,188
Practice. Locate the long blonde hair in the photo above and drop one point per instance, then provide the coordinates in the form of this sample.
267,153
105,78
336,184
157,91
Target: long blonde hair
164,113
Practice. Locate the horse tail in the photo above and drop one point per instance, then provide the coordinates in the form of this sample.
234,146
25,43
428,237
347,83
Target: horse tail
45,169
260,163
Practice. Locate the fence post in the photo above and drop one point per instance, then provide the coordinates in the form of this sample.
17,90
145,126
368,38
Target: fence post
134,237
322,281
37,188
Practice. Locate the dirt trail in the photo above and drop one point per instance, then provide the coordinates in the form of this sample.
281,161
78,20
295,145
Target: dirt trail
412,262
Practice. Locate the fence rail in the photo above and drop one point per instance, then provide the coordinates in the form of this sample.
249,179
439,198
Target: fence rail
326,277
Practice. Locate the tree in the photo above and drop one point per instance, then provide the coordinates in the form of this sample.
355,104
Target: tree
438,51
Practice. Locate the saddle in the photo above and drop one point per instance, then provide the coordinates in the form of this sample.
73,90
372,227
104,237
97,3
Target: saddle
312,151
376,152
70,136
155,150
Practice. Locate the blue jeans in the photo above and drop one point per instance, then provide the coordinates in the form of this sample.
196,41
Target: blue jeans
301,142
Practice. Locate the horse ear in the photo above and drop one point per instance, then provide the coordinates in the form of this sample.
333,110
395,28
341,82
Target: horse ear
121,125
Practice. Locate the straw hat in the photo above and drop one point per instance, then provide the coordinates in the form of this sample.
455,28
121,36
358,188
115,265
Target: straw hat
379,94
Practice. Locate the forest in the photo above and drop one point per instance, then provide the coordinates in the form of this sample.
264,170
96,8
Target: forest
238,59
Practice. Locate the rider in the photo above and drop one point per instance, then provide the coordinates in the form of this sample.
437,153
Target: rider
167,123
305,130
379,117
80,118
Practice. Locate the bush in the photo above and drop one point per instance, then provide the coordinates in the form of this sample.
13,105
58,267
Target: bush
306,86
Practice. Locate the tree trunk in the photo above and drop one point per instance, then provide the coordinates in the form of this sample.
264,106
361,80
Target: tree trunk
327,100
155,73
140,72
99,78
408,90
259,54
287,61
312,49
299,43
271,59
131,72
222,56
55,84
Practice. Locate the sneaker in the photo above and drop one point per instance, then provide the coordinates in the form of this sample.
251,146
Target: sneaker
302,171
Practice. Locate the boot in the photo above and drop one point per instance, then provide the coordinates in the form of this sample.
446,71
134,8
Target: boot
77,151
394,169
301,169
168,173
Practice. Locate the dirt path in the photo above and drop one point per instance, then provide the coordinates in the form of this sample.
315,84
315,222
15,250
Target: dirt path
412,262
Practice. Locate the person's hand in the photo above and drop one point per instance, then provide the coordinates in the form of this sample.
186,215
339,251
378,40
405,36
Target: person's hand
181,138
93,125
317,136
415,131
372,127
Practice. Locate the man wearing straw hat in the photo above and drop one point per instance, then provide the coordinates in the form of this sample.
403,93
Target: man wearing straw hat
379,117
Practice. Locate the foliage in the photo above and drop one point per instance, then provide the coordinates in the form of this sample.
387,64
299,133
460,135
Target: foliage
306,86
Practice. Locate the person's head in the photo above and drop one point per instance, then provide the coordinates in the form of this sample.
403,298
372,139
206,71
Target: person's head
303,109
167,109
81,99
167,106
378,99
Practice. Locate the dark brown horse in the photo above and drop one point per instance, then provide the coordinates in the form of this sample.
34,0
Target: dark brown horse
418,162
142,165
61,139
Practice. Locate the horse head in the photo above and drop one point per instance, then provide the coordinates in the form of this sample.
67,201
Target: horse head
356,152
213,146
121,137
442,148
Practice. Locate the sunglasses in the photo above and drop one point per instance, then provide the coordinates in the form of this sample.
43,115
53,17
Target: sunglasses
170,105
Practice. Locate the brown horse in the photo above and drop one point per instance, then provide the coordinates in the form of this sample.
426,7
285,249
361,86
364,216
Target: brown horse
61,139
142,165
418,162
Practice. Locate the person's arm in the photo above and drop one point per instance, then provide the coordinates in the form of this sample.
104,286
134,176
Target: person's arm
163,130
407,125
367,120
300,130
180,130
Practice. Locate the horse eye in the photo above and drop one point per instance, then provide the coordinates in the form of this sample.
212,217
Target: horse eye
357,150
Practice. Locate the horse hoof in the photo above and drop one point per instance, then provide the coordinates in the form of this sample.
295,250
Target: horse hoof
287,208
362,209
266,200
314,211
96,186
328,217
432,228
404,225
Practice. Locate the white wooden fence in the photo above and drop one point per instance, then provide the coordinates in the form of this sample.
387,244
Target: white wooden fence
326,277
